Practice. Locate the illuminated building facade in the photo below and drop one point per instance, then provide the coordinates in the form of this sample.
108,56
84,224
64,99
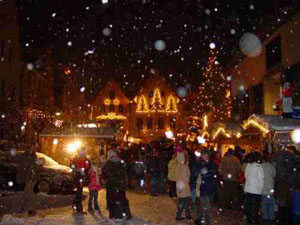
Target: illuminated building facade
156,109
10,68
111,106
257,81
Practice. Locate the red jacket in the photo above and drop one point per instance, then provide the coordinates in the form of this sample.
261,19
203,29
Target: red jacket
94,185
81,163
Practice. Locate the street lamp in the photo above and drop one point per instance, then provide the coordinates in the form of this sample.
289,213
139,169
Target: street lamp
74,146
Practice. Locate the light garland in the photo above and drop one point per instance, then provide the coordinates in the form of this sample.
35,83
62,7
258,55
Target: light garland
157,103
205,133
142,106
262,126
205,122
171,105
116,101
107,101
111,116
221,130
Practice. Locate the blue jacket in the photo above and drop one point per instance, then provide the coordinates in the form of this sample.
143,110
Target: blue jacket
209,178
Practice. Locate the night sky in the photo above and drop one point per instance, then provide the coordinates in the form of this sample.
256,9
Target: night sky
117,39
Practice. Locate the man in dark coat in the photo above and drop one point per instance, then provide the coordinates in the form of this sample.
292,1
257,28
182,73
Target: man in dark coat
28,174
80,166
154,169
287,180
230,169
114,173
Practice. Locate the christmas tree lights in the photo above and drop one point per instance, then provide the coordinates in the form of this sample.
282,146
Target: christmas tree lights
142,105
213,93
171,105
157,103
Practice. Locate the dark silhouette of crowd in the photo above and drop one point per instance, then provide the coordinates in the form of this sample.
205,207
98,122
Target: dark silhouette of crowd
263,185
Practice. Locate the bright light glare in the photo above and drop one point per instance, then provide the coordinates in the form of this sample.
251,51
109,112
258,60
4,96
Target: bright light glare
169,134
71,148
55,141
198,154
78,143
201,140
74,146
295,135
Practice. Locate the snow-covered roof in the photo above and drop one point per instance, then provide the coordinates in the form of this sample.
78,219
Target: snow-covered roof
275,123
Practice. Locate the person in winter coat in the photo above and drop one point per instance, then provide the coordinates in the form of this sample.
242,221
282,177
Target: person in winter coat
268,200
172,172
80,166
193,168
94,187
230,169
208,172
154,168
183,186
254,185
114,173
28,174
287,180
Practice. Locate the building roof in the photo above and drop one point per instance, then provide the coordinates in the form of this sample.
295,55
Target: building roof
272,123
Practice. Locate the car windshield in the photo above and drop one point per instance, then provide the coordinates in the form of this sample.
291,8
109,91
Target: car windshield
48,160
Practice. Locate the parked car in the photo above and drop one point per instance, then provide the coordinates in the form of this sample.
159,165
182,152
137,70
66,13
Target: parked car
54,177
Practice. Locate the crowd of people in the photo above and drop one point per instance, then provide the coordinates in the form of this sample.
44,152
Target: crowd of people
194,176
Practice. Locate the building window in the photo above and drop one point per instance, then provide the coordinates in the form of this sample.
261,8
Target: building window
102,109
121,108
112,94
257,99
172,122
273,53
292,74
151,94
149,123
139,123
111,108
160,123
2,48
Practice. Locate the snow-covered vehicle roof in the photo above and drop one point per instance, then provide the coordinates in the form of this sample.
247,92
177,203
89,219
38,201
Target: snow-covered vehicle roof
51,163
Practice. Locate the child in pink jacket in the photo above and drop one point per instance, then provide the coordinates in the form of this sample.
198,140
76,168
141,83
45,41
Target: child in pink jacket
94,187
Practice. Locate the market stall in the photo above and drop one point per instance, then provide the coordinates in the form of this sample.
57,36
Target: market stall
270,131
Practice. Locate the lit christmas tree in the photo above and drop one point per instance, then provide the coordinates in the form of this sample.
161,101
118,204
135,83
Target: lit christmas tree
157,103
213,96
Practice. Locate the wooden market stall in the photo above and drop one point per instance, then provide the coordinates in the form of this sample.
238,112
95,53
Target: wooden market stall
270,131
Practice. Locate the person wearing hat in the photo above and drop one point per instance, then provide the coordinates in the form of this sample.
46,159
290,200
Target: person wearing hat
114,174
208,171
80,166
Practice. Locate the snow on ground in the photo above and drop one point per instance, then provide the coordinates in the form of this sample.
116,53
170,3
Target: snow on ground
146,210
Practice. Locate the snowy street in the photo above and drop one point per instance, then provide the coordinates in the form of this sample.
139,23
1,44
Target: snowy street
146,209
